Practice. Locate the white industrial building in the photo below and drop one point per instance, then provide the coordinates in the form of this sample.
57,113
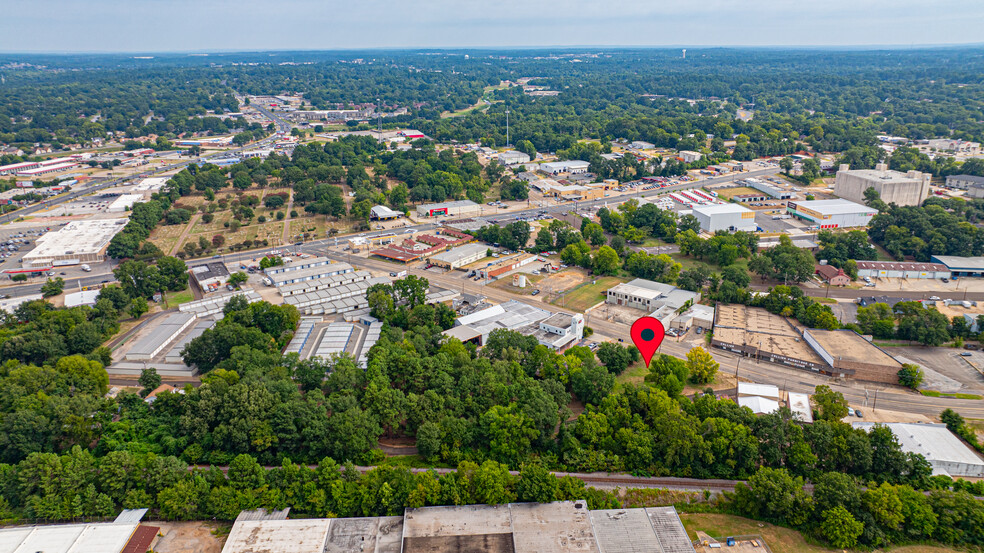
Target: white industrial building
799,404
766,188
77,242
512,157
460,256
383,213
901,269
84,297
338,268
462,208
154,342
762,399
729,217
124,203
103,537
688,156
894,187
662,302
573,167
554,330
151,184
829,214
947,453
309,273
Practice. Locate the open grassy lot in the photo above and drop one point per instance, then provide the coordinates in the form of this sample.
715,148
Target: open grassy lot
588,294
779,539
728,193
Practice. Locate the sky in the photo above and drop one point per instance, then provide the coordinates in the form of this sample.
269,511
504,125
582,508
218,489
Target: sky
222,25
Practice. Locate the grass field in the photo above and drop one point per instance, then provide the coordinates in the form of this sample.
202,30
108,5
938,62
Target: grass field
175,299
779,539
933,393
586,295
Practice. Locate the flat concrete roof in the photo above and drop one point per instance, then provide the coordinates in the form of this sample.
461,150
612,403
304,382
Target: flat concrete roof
847,345
717,209
77,238
835,207
461,252
278,536
957,263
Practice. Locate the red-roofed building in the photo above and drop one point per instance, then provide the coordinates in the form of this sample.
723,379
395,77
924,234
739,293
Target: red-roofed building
833,275
424,246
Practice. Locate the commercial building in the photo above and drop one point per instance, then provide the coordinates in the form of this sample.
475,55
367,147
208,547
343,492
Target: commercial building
829,214
460,256
312,285
762,399
209,276
16,167
554,330
641,145
214,304
698,316
307,263
383,213
730,217
832,275
412,249
961,266
124,203
84,297
75,243
43,169
507,265
557,527
766,188
104,537
963,182
649,296
842,353
570,192
462,208
513,157
946,453
799,404
573,167
894,187
151,184
901,269
688,156
309,273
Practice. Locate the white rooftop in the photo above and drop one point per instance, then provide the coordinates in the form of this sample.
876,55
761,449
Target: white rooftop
85,297
67,538
717,209
78,238
759,405
752,389
934,442
799,404
836,207
278,536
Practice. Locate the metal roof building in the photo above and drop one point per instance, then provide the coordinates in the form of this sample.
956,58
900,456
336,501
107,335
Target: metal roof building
729,217
961,266
460,256
462,208
70,538
155,342
382,213
944,450
902,269
307,264
838,213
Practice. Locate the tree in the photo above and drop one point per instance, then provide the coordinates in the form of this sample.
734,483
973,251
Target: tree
238,278
831,405
910,376
138,306
173,273
527,148
218,240
605,261
149,381
273,201
701,365
592,383
840,528
536,484
774,495
668,374
138,279
594,234
616,357
53,287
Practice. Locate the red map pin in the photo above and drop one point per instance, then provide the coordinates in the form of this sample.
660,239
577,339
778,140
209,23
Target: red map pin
647,334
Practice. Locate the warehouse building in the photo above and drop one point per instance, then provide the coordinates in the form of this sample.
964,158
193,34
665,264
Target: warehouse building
946,453
513,157
214,304
841,353
104,537
688,156
45,169
209,276
963,182
894,187
729,217
75,243
901,269
313,272
460,256
383,213
507,265
554,330
312,285
961,266
830,214
337,268
462,208
766,188
124,203
572,167
154,343
556,527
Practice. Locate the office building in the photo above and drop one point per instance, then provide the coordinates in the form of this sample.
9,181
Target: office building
830,214
650,296
909,188
964,182
729,217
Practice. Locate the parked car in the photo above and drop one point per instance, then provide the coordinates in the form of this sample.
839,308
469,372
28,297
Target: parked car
535,292
965,354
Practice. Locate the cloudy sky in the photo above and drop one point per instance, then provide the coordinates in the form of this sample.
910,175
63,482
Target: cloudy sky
209,25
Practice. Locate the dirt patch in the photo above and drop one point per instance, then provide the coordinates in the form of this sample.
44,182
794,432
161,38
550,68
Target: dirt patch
190,537
563,281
